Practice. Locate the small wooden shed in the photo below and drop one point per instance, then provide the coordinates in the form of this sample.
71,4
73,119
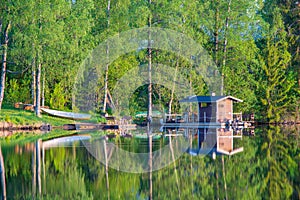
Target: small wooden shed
213,108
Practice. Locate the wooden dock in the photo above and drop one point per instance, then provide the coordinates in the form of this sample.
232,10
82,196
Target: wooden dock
193,125
205,124
91,126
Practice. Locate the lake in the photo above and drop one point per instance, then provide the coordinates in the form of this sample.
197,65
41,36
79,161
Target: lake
97,167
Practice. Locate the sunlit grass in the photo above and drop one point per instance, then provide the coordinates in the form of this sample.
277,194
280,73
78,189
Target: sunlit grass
24,117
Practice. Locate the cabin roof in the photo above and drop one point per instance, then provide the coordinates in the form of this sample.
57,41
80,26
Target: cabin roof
209,99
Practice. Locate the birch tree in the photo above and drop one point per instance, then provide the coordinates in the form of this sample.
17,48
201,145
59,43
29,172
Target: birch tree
4,46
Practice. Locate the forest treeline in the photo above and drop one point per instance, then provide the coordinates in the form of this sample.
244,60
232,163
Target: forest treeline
255,45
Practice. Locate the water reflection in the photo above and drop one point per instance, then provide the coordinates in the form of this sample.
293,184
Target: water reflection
268,167
221,139
132,155
3,179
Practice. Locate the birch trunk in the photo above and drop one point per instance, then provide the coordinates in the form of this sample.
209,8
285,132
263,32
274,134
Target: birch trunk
33,83
4,60
37,108
225,46
172,92
106,67
43,91
216,32
149,113
298,104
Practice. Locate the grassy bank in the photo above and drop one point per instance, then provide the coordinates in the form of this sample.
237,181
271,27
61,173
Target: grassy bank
24,117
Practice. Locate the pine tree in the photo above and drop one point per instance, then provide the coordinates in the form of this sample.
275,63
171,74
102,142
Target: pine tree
275,80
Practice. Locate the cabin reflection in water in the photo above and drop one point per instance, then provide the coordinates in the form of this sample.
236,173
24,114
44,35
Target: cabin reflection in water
213,141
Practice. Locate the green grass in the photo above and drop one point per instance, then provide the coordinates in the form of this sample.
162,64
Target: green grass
24,117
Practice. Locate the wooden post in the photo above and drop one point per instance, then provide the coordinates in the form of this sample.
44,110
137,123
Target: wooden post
204,116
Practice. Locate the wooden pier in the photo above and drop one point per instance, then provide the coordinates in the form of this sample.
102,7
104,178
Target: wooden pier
91,126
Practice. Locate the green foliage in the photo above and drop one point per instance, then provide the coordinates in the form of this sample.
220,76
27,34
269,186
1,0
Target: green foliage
17,92
275,82
266,169
279,165
260,61
57,97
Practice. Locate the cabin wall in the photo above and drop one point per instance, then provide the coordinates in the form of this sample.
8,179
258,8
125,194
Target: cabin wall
207,113
225,140
224,110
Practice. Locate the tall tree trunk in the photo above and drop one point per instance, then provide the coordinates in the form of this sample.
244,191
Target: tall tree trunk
37,108
43,90
225,46
0,27
106,66
4,60
216,32
149,113
33,83
172,92
298,104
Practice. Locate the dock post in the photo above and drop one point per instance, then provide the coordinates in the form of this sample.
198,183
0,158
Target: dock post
204,116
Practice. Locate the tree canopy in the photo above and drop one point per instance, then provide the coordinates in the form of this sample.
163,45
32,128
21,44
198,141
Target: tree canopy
254,44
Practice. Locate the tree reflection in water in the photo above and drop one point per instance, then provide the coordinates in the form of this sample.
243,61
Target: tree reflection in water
268,168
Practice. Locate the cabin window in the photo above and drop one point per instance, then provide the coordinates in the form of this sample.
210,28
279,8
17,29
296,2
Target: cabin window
221,105
203,105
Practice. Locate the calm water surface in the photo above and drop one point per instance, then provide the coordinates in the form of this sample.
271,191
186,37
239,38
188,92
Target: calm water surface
268,168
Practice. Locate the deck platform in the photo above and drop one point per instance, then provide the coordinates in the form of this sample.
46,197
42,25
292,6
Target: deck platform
91,126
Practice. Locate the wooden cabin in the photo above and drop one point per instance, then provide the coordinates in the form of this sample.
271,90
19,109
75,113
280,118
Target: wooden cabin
213,109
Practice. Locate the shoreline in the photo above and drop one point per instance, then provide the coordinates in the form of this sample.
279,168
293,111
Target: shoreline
8,126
